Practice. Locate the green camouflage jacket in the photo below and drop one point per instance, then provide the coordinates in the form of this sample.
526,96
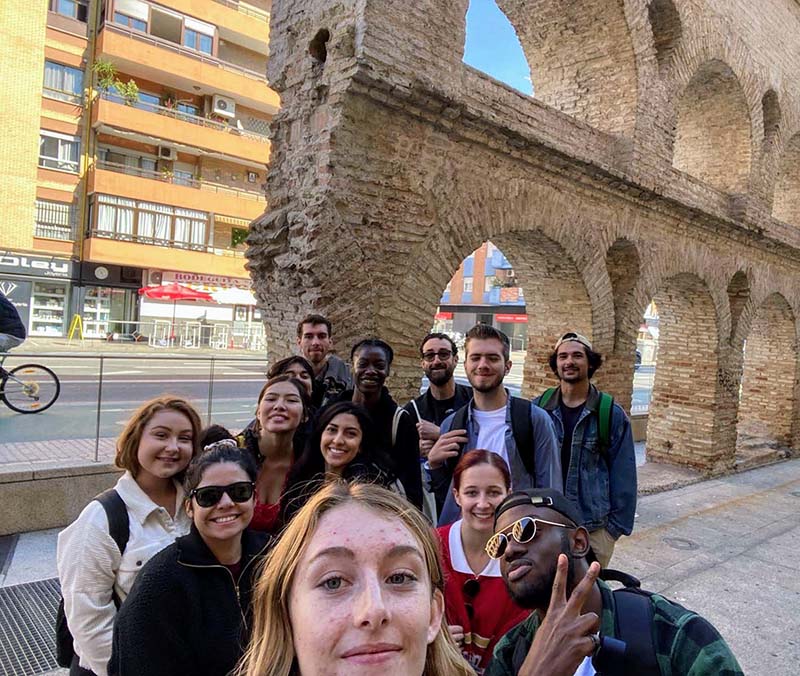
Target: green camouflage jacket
685,643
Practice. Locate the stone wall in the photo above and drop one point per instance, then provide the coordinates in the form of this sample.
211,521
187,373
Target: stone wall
644,168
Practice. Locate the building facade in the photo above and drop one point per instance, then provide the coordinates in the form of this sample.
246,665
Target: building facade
138,157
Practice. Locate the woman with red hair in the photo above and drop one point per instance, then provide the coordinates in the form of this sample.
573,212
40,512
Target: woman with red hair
478,606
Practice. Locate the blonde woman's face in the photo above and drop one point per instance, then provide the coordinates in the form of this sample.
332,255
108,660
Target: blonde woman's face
361,601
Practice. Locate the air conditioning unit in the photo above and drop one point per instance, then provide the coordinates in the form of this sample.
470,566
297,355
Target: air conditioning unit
222,105
154,277
167,153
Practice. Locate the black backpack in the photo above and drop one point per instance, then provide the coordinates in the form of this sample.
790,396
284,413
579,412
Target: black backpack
119,530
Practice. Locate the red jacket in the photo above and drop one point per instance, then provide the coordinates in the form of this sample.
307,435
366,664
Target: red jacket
494,613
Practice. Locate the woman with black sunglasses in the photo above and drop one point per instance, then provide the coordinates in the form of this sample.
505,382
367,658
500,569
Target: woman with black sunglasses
478,607
189,612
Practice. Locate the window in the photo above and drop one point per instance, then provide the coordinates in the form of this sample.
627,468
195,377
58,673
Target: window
126,162
115,216
467,284
63,82
198,41
189,109
74,9
147,101
130,22
55,220
489,283
183,177
58,151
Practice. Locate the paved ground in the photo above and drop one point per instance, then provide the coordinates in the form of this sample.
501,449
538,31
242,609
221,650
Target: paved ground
727,548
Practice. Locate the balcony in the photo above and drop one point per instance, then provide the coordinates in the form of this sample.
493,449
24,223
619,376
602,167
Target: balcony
112,178
236,21
193,131
157,60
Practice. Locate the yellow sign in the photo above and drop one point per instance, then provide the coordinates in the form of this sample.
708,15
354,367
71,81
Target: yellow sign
75,325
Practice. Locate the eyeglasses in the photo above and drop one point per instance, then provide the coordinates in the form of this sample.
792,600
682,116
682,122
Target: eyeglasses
522,531
470,590
208,496
443,355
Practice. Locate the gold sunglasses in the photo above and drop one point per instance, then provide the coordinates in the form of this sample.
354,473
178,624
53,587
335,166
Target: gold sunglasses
522,531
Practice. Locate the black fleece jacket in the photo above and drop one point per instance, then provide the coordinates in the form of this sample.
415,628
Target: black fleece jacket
185,614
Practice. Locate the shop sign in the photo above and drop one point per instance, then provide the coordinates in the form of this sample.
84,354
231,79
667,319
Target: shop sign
511,319
444,315
37,266
195,278
18,291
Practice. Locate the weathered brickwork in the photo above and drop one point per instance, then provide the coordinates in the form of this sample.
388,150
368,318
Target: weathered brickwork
655,161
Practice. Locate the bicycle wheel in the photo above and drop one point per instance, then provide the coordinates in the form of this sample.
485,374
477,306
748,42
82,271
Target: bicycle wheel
30,388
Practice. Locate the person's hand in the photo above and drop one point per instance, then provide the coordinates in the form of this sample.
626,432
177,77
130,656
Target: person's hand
565,637
425,446
446,447
427,430
457,632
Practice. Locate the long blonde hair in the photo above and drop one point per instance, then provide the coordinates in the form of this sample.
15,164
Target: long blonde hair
271,651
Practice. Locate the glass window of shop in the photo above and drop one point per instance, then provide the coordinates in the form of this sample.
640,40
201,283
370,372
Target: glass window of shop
48,308
109,311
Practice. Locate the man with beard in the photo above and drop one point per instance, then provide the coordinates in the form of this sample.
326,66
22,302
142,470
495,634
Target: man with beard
519,432
598,460
315,340
542,551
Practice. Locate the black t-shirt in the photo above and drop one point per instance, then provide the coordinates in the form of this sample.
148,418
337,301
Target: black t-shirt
570,418
443,408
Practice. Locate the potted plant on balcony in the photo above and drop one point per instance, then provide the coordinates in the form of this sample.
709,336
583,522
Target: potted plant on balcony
129,91
106,74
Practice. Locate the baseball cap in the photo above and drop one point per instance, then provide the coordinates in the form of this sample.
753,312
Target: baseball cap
540,497
572,335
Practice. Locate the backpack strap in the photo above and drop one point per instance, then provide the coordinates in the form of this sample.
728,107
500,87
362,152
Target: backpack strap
546,396
117,513
634,626
522,428
604,413
398,413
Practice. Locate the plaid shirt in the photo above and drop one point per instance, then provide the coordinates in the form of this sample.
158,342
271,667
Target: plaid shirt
685,643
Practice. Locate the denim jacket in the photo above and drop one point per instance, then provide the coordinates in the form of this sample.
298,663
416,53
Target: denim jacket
604,492
546,458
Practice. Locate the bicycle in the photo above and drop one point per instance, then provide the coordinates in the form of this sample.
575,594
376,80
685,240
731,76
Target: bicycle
28,388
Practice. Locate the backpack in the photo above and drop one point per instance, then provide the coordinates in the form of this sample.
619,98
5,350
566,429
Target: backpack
521,428
604,414
119,530
398,413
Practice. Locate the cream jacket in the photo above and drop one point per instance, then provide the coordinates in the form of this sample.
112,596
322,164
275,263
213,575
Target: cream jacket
90,565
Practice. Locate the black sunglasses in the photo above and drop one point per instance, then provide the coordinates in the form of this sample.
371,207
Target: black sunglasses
208,496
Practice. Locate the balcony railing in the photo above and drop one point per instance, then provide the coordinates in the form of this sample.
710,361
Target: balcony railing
190,118
51,231
61,95
98,231
249,10
184,51
166,177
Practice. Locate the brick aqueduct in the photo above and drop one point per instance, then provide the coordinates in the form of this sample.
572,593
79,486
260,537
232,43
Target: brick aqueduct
659,159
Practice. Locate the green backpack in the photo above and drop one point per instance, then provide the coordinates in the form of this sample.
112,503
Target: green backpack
605,411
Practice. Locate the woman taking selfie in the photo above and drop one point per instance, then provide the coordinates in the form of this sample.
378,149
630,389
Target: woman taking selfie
96,571
343,445
190,609
283,406
352,588
478,607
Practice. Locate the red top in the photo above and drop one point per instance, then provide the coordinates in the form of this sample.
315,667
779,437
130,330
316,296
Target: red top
266,518
494,613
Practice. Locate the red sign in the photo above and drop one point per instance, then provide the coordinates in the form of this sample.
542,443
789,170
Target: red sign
511,319
444,315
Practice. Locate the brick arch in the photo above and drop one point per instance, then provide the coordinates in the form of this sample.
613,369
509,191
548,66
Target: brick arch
588,73
739,301
769,378
682,425
667,29
786,199
713,130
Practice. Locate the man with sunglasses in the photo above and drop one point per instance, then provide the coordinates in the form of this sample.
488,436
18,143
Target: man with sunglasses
598,460
580,623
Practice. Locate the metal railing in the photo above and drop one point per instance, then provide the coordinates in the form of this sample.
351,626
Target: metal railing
188,117
169,177
249,10
63,95
185,51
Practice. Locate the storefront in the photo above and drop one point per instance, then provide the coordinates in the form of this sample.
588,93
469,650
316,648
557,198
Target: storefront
108,298
40,287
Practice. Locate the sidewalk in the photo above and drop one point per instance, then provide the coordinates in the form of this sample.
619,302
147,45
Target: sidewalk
35,345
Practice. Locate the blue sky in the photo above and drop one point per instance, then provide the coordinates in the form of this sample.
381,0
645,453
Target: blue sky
492,46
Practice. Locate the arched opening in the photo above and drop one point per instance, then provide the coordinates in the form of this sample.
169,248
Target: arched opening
769,378
484,290
786,203
665,23
712,133
581,59
681,425
493,47
771,113
738,295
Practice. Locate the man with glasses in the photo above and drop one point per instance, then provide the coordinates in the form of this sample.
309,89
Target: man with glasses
519,432
598,460
583,627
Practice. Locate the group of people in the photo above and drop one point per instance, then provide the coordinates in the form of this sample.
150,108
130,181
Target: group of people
340,533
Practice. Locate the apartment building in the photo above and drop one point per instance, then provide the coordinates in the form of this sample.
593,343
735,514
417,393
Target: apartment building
484,289
135,153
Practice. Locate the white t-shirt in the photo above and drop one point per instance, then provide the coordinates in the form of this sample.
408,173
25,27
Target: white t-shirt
492,431
586,668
